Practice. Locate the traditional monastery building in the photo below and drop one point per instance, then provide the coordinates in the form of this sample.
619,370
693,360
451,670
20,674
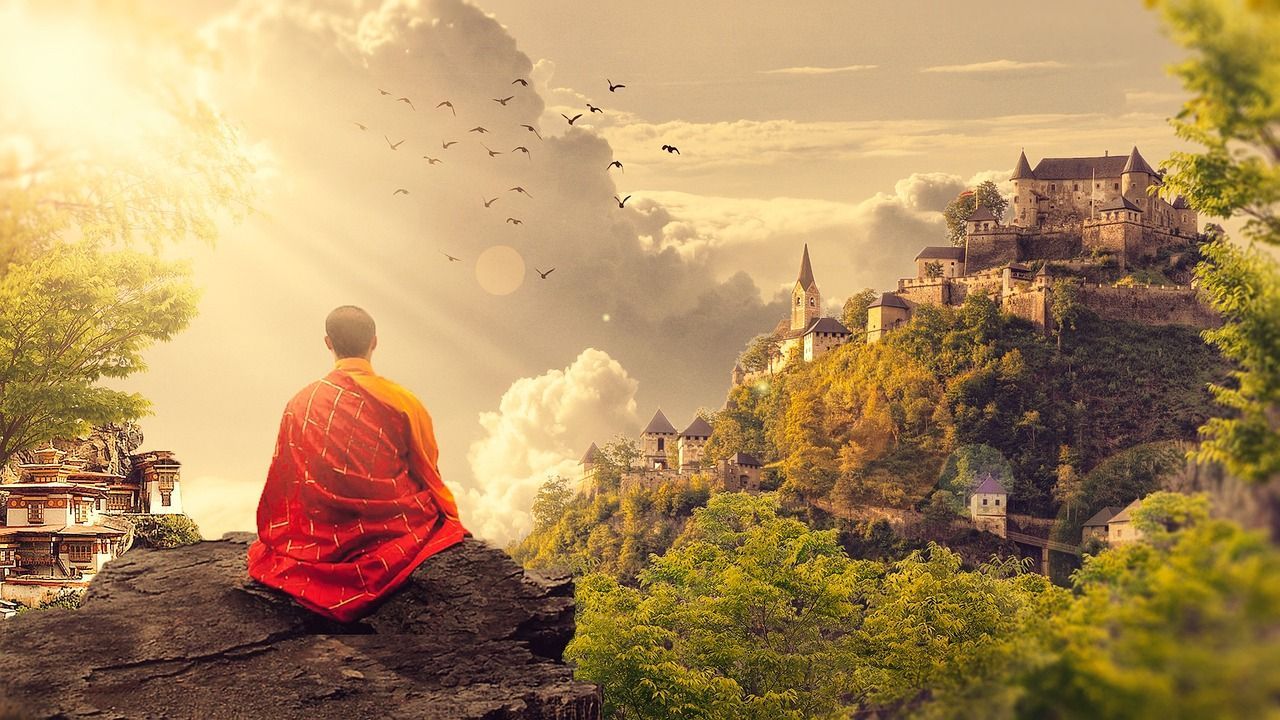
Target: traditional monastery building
62,523
1082,215
666,454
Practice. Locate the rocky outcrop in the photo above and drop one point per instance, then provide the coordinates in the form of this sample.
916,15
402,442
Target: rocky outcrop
106,448
184,633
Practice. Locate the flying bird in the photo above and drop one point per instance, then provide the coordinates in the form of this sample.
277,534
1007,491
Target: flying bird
451,258
623,201
532,129
593,108
431,160
503,101
671,149
521,81
394,146
362,127
570,119
612,87
383,92
543,275
478,129
616,164
519,190
492,153
406,101
487,203
514,221
520,148
447,143
400,191
449,105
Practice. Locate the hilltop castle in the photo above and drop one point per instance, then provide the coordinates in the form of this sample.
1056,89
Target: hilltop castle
666,454
1081,217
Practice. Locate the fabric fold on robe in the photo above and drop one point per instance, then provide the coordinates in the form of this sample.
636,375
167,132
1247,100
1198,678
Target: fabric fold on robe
353,501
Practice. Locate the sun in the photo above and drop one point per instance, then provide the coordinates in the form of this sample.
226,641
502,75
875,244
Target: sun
500,270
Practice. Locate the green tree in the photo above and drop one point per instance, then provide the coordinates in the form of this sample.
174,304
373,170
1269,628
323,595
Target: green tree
550,502
760,353
933,269
958,211
72,317
854,314
1064,307
1234,118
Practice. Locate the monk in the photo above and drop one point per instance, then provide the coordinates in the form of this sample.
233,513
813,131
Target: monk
353,501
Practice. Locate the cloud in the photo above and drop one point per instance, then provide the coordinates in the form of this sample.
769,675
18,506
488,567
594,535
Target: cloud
542,426
809,70
997,66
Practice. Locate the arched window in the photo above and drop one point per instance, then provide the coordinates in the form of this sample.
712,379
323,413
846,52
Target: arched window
797,301
812,302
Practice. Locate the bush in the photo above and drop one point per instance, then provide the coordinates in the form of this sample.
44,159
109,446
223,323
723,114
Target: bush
67,598
165,531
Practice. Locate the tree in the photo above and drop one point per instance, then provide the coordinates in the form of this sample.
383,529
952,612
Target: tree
550,502
933,269
72,317
1064,307
958,211
1234,118
854,314
761,351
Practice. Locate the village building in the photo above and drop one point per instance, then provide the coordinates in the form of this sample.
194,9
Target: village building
1095,528
1084,215
738,473
988,506
690,443
1120,529
63,523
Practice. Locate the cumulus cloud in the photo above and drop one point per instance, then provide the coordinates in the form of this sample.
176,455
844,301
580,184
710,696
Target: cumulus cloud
542,426
997,66
810,70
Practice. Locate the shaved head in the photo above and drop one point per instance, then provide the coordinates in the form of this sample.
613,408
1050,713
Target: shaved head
350,331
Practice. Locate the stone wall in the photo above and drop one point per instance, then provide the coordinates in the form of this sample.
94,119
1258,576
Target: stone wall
986,250
924,292
1031,305
1050,245
1149,304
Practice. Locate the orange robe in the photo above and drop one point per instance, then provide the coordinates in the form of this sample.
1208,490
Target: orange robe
353,501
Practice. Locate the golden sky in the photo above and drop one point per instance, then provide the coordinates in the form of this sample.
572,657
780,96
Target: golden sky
844,125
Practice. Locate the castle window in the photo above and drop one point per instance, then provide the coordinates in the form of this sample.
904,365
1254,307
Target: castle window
35,513
984,501
997,502
1053,186
166,498
662,444
1075,186
80,552
797,301
1117,186
812,302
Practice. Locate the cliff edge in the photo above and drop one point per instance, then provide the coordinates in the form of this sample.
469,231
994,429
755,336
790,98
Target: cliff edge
183,633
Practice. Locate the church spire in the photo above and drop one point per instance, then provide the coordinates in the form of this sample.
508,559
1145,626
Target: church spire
806,272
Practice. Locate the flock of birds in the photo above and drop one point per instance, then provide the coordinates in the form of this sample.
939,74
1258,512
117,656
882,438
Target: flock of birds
481,130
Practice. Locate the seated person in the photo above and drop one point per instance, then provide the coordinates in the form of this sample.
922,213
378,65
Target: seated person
353,501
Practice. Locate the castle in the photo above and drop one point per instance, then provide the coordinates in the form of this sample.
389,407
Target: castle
1080,217
66,516
666,454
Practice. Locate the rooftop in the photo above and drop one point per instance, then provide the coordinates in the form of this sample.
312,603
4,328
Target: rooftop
806,271
1102,517
744,459
942,252
889,300
990,484
827,325
697,428
660,424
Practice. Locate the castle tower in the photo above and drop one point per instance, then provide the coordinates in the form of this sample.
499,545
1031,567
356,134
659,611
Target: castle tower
806,301
691,442
588,463
1024,196
656,440
1136,177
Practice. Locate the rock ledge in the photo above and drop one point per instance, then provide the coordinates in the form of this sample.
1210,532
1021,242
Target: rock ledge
184,633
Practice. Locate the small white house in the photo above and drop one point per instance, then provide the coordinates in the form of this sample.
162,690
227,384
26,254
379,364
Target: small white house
988,506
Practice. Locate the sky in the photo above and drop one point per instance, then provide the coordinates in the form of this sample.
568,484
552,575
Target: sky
846,126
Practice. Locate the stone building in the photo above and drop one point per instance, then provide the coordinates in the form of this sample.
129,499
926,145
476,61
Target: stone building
988,506
1120,529
665,455
1079,213
658,442
690,443
1095,528
738,473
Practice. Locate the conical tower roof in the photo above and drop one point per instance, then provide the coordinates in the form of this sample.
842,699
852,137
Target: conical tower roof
660,424
806,271
590,455
1023,170
1137,163
697,428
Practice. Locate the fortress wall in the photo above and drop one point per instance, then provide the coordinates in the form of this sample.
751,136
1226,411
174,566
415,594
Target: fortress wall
992,284
1031,305
1056,245
990,249
933,293
1150,305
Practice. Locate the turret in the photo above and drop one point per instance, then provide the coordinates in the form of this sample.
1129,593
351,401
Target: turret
1024,195
1136,177
806,301
656,439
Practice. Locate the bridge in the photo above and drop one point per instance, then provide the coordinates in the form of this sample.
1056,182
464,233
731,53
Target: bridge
1045,544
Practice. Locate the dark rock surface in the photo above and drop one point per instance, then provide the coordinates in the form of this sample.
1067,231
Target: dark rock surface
184,633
